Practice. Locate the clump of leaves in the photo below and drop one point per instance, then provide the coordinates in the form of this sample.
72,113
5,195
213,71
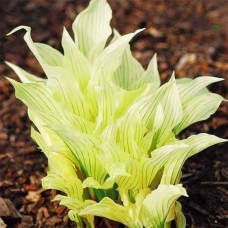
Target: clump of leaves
108,128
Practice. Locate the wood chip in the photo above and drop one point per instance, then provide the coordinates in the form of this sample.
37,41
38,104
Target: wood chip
2,224
26,221
8,210
198,208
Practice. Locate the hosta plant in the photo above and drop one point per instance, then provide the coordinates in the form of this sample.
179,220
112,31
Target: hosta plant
109,128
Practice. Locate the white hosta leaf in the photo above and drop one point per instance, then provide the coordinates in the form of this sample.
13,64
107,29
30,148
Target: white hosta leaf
109,209
111,153
24,76
75,62
175,213
42,118
43,110
157,204
115,159
126,100
198,103
147,142
36,96
179,216
45,58
91,27
47,137
113,163
62,175
196,143
108,61
129,71
49,55
104,67
53,142
38,138
172,111
84,148
150,136
107,103
147,105
75,207
68,94
133,181
72,121
152,168
131,132
110,133
191,88
62,165
79,123
197,109
50,142
115,171
151,75
30,93
29,41
71,186
90,182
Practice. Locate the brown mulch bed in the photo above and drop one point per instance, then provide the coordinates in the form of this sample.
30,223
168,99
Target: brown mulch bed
190,38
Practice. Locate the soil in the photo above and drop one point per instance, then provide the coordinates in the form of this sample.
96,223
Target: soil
190,38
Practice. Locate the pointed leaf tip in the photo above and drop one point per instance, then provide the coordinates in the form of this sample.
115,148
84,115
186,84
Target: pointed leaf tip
27,28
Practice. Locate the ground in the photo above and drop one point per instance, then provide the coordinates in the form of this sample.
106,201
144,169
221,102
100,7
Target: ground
190,38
